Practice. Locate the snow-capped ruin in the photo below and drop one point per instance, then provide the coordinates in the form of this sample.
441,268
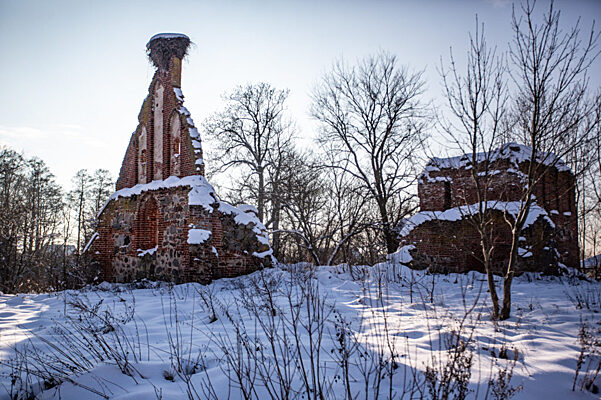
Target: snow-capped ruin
165,221
441,237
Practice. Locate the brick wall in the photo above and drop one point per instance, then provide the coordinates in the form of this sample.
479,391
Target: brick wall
454,246
163,218
146,235
129,174
442,188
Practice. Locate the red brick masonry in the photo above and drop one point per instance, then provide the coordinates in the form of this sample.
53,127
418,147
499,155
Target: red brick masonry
442,238
165,220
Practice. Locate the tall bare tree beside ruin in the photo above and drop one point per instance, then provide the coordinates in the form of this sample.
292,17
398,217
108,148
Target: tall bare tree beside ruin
373,114
477,102
100,190
591,198
251,135
349,208
78,198
305,227
584,161
549,67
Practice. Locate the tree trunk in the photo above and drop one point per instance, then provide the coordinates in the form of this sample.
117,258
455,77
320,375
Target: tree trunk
508,279
506,310
80,222
390,236
491,281
261,194
275,240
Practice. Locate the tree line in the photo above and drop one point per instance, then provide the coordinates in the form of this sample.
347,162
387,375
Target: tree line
43,228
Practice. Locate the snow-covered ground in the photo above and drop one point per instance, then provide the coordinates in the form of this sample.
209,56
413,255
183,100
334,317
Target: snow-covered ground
295,332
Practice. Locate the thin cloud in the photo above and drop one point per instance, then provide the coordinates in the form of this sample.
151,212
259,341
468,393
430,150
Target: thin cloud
500,3
26,136
65,148
22,132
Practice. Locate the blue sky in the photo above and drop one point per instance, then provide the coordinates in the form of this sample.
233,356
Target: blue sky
74,73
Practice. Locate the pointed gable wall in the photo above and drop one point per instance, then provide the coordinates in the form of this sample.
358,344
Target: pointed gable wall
166,142
165,220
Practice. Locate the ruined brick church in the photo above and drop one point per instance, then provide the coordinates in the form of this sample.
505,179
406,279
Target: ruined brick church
441,237
165,221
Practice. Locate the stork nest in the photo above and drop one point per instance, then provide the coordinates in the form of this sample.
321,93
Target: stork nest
162,47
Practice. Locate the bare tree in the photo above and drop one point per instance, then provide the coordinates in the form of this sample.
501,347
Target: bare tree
477,102
12,215
78,198
303,198
587,160
100,190
349,208
36,222
373,116
30,216
323,211
249,135
552,104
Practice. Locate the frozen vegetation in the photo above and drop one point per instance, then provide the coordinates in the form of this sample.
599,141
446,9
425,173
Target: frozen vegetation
301,332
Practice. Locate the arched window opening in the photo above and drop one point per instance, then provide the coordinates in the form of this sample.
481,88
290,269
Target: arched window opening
176,143
447,196
158,133
148,225
177,146
142,157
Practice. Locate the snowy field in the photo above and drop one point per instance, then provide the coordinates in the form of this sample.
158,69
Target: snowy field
293,332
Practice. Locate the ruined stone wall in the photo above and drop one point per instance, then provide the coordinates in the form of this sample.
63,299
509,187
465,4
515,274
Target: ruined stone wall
126,248
229,251
441,189
128,175
454,246
235,244
447,188
556,193
128,239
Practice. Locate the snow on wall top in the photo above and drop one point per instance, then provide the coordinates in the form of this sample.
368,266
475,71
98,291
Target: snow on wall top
248,208
458,213
402,255
514,152
94,237
192,130
201,194
244,218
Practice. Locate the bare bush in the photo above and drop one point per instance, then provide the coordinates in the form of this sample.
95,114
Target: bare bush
588,363
499,385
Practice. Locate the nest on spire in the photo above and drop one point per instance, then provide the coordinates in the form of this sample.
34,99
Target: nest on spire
161,47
